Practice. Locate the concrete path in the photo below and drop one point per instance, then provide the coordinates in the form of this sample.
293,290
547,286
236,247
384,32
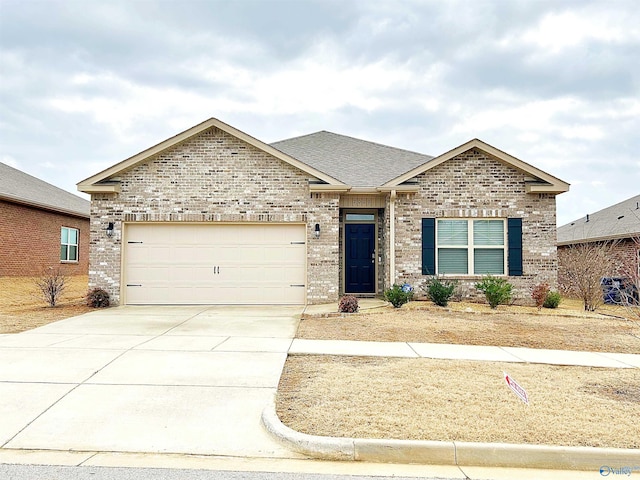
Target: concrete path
464,352
190,380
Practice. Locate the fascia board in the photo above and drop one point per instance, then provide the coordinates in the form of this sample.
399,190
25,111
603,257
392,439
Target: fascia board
555,184
42,206
193,131
99,188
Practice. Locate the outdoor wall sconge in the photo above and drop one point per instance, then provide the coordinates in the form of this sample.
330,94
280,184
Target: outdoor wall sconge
110,229
316,231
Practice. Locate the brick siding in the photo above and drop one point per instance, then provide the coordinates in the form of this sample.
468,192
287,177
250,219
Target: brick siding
476,185
30,240
215,177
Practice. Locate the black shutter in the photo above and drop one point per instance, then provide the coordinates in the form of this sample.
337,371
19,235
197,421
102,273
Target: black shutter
428,246
514,236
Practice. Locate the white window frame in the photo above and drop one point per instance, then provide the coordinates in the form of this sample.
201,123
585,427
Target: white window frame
471,247
69,244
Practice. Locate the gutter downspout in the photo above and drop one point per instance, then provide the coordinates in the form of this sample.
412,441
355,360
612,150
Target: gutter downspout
392,238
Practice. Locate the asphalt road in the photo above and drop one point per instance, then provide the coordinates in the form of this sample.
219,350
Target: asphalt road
45,472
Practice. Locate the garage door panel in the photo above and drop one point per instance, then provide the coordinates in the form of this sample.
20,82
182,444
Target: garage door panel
215,264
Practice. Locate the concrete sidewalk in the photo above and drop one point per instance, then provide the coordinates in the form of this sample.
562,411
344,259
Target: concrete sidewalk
302,346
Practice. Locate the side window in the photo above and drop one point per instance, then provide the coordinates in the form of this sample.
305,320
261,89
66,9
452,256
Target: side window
69,244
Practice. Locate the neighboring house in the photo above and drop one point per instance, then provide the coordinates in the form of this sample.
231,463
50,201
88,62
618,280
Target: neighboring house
41,226
215,216
619,225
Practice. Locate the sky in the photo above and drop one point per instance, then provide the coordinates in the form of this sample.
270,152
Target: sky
86,84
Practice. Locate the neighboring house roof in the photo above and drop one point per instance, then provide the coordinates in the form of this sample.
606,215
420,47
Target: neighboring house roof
101,182
621,220
538,182
19,187
355,162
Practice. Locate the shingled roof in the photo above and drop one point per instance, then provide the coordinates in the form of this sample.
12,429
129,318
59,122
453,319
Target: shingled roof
19,187
355,162
621,220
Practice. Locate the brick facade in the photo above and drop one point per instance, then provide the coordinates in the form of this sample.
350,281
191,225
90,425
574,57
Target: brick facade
476,185
216,177
30,239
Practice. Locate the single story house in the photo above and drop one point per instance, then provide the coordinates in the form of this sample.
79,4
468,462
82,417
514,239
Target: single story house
618,225
41,226
215,216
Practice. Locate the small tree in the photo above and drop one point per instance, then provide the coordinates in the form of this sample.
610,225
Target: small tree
51,284
584,265
630,291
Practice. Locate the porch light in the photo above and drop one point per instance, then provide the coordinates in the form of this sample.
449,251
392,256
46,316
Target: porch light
316,231
110,230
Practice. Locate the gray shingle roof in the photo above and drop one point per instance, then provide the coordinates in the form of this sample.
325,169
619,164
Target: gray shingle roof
352,161
19,187
621,220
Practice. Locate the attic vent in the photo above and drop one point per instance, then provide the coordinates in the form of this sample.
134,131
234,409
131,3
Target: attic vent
573,223
621,216
587,218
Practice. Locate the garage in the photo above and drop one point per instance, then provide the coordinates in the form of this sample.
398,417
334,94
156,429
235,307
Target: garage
241,264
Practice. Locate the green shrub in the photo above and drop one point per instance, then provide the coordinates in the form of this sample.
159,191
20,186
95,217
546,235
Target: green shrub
98,298
440,291
496,290
348,304
553,300
398,295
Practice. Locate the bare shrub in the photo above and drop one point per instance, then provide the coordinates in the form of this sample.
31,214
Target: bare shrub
539,294
51,283
630,291
584,266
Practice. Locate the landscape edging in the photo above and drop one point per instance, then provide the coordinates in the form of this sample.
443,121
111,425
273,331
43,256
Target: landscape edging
447,453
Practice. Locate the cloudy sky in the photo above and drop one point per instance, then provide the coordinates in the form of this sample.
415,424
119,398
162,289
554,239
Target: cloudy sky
85,84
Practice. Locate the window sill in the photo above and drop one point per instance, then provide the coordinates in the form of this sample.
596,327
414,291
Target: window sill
69,261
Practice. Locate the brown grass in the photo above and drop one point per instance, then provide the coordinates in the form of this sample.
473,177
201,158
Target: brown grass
22,308
474,324
460,400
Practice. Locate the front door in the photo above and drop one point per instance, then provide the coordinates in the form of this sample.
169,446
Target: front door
360,263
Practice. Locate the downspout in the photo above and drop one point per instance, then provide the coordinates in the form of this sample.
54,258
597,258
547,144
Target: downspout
392,238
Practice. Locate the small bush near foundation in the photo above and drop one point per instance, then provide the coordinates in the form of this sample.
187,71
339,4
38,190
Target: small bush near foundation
440,291
51,285
552,301
97,298
496,290
348,304
398,295
539,294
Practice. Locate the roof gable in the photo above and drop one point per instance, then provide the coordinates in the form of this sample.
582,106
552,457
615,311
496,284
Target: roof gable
19,187
542,182
621,220
101,181
355,162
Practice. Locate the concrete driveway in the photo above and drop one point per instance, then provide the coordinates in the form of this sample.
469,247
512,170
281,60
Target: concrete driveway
147,379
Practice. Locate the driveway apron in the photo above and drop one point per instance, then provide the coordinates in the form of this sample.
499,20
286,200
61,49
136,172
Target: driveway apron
190,380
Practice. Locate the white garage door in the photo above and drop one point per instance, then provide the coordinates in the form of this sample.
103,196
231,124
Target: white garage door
214,264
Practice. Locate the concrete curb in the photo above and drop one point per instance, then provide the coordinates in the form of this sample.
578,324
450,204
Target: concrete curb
447,453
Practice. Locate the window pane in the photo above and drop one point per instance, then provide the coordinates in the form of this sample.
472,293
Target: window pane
73,236
488,261
452,232
73,253
63,252
453,260
488,232
64,235
360,216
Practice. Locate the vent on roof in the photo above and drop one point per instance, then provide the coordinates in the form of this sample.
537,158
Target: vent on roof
621,216
587,218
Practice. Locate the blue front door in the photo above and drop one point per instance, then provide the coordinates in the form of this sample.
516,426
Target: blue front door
360,265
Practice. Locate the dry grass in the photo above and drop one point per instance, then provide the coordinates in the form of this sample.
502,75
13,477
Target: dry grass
460,400
473,324
22,308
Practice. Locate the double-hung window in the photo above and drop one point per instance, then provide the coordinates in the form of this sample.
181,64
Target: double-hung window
69,244
470,247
